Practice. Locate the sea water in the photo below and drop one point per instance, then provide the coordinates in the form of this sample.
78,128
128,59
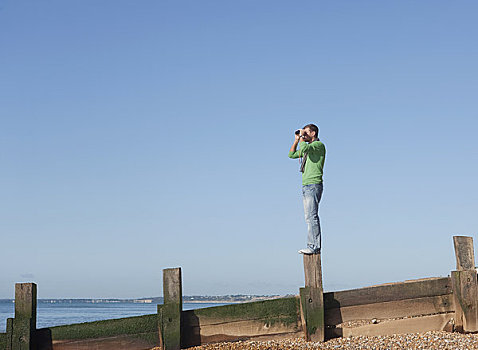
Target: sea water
56,314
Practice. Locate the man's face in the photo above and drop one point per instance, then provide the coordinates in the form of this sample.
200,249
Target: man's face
308,135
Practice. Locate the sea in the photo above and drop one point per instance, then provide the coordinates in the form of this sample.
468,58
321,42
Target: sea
56,314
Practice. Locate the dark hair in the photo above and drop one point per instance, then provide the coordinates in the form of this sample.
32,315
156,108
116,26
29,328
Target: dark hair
313,127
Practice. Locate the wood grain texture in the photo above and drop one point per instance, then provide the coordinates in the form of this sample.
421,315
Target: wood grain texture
427,287
312,313
121,342
407,325
9,334
172,285
277,319
313,270
465,291
465,257
24,323
170,311
239,330
391,309
26,301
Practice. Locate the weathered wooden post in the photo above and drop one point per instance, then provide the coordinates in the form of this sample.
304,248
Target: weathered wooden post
20,330
9,333
312,299
170,311
465,285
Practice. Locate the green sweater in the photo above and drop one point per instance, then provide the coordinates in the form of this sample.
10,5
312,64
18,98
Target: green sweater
314,165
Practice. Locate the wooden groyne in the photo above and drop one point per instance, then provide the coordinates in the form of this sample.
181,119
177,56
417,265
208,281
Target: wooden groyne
429,304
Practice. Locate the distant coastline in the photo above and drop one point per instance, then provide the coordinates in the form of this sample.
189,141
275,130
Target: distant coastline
196,299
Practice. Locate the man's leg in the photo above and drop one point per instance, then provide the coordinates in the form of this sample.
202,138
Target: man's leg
311,196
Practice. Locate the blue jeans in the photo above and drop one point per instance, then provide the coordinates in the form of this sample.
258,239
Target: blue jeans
311,195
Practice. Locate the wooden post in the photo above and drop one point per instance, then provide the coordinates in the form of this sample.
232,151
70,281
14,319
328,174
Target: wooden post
170,311
465,256
9,333
312,299
465,285
24,323
313,271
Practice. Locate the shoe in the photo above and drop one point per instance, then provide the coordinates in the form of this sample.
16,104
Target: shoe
307,251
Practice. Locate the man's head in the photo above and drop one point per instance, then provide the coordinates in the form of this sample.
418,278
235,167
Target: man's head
311,132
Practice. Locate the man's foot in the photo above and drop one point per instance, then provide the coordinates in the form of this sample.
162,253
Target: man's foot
307,251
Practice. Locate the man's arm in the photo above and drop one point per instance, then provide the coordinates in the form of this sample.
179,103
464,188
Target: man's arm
310,147
293,153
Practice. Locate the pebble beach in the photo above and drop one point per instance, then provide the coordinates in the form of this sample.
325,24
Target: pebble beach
428,340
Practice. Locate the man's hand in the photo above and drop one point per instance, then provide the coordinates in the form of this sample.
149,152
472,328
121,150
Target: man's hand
301,133
293,148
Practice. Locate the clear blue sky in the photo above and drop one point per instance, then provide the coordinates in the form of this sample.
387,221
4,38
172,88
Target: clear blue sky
141,135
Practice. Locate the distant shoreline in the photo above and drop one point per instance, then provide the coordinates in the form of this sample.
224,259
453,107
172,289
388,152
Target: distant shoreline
220,301
235,299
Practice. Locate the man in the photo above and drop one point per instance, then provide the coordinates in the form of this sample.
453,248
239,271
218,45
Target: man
312,152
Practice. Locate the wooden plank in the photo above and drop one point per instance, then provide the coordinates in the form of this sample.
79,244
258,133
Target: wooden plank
119,342
170,312
270,309
134,325
273,318
407,325
313,270
247,328
312,313
137,332
42,339
240,330
278,336
465,288
465,257
389,292
390,309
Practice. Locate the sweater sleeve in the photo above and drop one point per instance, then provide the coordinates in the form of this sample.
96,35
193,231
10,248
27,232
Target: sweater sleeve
300,152
294,155
310,147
